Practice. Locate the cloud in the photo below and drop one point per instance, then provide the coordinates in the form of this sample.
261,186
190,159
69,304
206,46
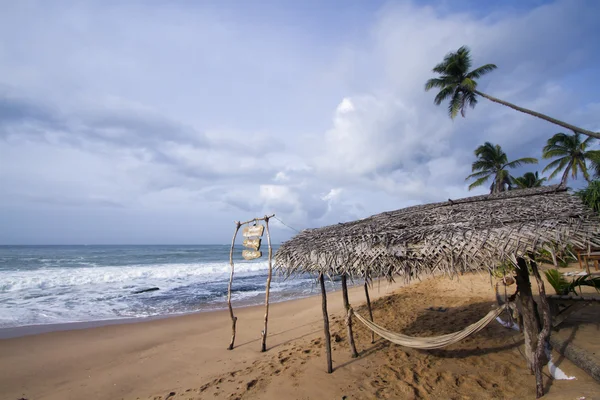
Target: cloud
176,113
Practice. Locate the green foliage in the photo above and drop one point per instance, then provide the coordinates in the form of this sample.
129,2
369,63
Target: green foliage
505,269
492,161
456,82
564,255
563,287
591,195
557,280
571,155
528,180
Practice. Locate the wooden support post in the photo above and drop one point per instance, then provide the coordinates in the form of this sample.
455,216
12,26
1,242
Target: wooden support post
369,307
233,318
527,307
264,332
348,316
326,324
544,335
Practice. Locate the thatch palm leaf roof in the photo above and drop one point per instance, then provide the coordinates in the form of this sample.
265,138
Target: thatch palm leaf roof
456,236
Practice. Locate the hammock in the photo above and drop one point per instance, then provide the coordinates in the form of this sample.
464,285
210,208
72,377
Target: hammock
433,342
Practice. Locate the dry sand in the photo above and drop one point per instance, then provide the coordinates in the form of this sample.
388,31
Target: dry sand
186,358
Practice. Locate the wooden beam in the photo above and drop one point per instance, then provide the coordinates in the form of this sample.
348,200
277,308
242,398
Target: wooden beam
531,326
256,219
348,316
326,324
268,289
233,318
370,310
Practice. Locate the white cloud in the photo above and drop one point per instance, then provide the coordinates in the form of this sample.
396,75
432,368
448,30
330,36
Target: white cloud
167,111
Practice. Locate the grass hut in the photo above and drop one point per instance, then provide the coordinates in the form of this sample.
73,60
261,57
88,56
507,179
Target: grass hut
471,234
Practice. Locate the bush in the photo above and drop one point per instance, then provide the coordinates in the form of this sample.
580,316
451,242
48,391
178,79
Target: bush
562,286
591,195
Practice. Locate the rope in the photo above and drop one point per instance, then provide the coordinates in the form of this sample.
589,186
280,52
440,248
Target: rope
433,342
294,229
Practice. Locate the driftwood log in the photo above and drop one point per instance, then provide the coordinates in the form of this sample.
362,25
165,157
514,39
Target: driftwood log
263,346
233,317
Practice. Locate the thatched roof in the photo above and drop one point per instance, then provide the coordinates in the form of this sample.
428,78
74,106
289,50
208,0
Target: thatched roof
473,233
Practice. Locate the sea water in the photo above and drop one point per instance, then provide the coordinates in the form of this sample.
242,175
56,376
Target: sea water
61,284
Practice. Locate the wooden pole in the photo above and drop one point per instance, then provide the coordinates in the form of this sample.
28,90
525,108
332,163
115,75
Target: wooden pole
544,335
233,318
370,311
264,332
528,310
348,316
326,324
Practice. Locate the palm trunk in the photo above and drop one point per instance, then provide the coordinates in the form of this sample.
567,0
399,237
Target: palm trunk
565,175
541,116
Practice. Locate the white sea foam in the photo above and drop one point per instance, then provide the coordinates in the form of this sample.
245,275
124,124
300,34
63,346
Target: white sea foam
48,278
58,295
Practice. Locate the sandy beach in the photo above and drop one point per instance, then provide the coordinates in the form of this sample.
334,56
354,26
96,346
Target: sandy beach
185,357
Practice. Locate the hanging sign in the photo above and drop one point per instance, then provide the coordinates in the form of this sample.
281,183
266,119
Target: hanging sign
253,244
251,254
256,230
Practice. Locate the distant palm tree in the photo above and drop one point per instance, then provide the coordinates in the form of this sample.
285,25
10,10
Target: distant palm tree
493,162
572,155
528,180
458,84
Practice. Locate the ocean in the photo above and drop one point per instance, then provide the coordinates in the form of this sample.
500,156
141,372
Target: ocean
60,284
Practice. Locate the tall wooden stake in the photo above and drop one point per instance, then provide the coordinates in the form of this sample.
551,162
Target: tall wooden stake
370,311
348,316
264,332
326,324
540,356
233,318
528,310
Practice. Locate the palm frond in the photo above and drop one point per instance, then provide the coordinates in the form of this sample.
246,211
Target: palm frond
480,174
434,83
555,152
557,281
558,164
479,72
479,182
585,280
587,141
443,95
470,98
520,161
455,104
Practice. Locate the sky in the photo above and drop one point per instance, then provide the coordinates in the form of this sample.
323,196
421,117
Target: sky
163,122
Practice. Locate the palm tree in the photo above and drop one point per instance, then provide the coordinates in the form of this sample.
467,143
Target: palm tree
528,180
458,84
492,161
572,155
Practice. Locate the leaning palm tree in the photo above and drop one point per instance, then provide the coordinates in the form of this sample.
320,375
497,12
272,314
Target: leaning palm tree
572,155
493,162
528,180
459,84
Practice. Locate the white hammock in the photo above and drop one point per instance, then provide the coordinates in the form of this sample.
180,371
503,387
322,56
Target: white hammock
433,342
